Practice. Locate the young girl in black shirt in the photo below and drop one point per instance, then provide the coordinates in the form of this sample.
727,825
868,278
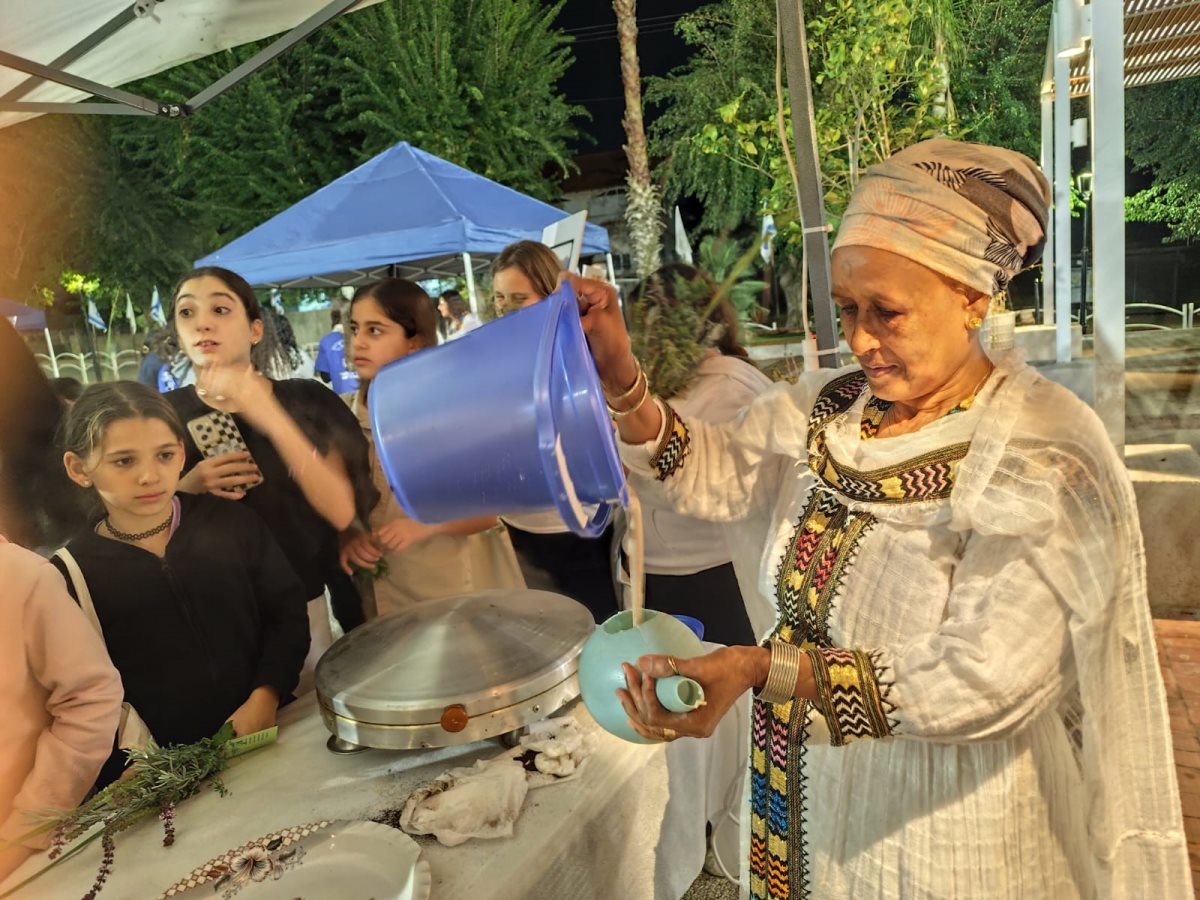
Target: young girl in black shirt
306,473
202,615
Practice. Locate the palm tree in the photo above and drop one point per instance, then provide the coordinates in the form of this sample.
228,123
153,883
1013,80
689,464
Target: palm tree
643,212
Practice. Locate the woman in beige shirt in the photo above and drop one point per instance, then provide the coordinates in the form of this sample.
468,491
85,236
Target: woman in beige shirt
389,321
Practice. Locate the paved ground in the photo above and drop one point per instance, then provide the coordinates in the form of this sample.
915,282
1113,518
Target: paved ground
1179,654
1162,385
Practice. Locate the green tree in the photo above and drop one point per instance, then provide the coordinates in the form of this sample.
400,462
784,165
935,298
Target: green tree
733,57
996,71
134,200
472,81
1162,132
968,67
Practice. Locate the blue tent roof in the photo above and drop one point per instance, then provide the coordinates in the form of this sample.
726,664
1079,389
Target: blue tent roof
402,206
25,318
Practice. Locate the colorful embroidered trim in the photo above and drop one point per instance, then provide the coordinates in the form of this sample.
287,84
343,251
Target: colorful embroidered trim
778,862
872,417
820,551
928,477
822,547
673,450
850,694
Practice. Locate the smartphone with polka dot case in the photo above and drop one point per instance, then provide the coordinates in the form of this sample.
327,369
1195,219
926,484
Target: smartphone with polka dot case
216,434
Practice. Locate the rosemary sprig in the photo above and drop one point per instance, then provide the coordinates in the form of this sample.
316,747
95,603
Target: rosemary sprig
158,779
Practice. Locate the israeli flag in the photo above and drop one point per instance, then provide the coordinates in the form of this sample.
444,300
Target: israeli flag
768,235
156,310
93,316
277,301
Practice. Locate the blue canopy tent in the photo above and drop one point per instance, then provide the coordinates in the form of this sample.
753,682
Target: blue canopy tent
403,212
23,318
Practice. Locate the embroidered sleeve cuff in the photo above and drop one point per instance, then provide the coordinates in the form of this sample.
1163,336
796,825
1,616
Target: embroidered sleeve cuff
673,445
852,693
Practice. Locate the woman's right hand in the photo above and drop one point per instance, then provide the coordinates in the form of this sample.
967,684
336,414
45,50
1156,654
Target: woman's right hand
358,549
604,325
226,476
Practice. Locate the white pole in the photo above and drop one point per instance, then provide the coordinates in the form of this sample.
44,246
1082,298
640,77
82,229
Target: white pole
50,350
612,272
1108,214
471,298
1062,208
1048,168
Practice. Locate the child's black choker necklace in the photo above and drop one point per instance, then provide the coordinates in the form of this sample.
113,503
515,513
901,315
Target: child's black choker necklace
141,535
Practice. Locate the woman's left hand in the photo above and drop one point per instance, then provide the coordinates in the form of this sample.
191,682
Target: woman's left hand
257,713
725,674
400,535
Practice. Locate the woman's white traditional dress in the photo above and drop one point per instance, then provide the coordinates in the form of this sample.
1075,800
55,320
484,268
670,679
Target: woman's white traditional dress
991,721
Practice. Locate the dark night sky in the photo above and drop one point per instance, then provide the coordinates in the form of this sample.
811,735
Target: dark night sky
594,81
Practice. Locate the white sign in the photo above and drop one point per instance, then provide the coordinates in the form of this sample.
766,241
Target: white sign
565,238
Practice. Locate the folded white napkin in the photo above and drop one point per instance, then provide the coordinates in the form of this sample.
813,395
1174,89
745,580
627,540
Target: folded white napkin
485,800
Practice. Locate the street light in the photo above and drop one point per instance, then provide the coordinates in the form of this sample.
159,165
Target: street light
1083,184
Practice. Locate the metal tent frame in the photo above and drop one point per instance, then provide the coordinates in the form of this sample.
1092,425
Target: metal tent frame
124,102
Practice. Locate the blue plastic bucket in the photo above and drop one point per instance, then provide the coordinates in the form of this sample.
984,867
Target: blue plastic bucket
508,418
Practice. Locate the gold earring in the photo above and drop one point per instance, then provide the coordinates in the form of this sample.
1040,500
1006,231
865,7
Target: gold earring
974,323
87,482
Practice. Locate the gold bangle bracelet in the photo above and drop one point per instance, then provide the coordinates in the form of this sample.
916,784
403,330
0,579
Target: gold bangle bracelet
780,686
620,398
622,413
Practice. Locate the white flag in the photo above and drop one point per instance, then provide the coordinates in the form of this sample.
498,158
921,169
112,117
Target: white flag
277,300
130,315
93,316
683,247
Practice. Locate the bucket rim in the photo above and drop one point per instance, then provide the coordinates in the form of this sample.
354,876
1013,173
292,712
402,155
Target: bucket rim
563,303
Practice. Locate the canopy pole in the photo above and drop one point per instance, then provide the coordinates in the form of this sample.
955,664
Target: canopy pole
810,195
471,298
50,351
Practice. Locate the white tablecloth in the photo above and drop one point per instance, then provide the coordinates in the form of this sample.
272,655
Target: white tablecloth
630,826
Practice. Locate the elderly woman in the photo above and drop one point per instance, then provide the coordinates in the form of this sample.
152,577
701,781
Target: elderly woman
960,695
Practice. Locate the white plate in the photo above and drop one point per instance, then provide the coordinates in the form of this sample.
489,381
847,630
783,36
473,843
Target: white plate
348,860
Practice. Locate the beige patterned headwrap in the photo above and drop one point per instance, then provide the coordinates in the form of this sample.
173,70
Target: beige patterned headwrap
974,213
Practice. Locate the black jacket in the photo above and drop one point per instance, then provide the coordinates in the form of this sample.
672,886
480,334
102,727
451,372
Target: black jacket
309,542
193,633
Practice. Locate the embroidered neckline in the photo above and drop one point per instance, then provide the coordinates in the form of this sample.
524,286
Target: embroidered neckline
926,477
875,409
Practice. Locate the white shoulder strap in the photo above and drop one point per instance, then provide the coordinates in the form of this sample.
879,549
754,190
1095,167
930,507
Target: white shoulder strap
132,731
82,594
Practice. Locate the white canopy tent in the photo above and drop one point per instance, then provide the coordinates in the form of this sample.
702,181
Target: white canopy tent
54,53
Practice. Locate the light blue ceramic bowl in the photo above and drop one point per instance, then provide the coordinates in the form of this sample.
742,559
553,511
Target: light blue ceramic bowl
618,641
